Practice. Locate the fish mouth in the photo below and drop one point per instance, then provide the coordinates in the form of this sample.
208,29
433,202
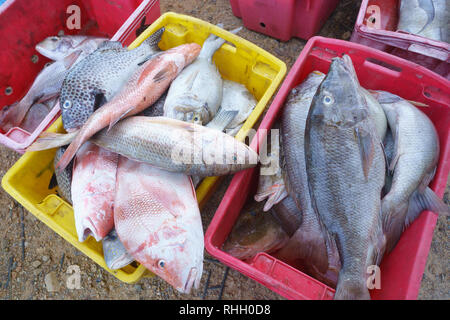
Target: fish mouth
192,277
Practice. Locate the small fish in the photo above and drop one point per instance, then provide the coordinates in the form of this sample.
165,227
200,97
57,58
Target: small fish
157,218
99,76
144,87
58,47
236,106
45,86
195,95
114,253
346,168
427,18
93,190
254,231
413,163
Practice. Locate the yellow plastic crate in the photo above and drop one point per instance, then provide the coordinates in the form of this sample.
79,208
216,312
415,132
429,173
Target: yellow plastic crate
28,179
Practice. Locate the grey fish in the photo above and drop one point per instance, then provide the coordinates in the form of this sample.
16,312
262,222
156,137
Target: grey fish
177,146
346,171
45,86
309,244
413,163
254,231
62,178
114,253
59,47
427,18
99,76
195,95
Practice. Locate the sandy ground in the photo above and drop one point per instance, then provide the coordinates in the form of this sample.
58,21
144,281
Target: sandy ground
33,253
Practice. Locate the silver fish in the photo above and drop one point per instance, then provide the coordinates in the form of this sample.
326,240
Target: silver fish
195,95
413,163
236,106
308,240
427,18
59,47
114,253
99,76
177,146
346,171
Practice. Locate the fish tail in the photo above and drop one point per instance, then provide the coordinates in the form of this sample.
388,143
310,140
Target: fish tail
13,115
212,44
350,289
222,119
153,40
426,200
50,140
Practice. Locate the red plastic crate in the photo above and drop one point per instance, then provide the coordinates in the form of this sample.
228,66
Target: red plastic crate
402,269
284,19
432,54
26,23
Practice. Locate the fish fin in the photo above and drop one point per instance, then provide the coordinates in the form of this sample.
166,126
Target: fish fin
210,46
274,194
70,152
222,119
144,61
161,75
100,99
349,289
53,182
108,44
123,115
393,220
418,104
366,149
155,38
49,140
397,152
71,58
425,200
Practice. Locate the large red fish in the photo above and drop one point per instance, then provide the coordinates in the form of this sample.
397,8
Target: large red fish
157,218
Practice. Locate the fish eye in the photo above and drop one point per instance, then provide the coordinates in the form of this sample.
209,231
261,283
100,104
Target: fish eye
54,39
328,100
161,264
67,104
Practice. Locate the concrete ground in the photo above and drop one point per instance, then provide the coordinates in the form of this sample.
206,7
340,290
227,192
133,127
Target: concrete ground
31,253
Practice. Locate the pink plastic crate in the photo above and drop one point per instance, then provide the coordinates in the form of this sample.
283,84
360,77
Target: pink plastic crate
402,269
25,23
376,27
284,19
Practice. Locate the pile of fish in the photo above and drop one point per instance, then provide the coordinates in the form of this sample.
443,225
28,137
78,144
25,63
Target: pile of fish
354,173
141,124
426,18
